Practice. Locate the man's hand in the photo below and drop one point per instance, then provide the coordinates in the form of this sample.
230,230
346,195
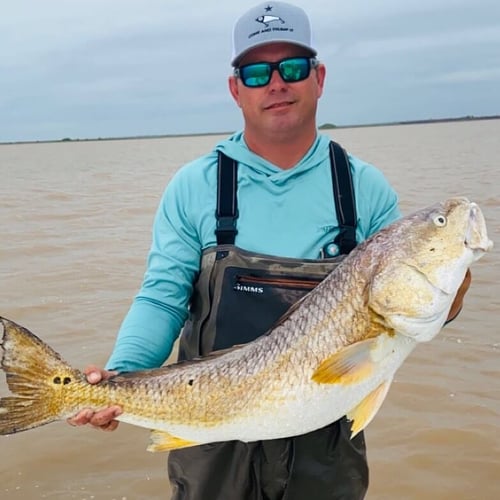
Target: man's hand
103,419
459,297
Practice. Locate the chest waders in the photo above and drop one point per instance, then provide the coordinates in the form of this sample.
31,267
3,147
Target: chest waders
238,296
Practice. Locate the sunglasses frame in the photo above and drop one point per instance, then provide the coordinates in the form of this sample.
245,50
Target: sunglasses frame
312,63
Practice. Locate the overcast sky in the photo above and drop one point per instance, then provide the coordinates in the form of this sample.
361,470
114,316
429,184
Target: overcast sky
108,68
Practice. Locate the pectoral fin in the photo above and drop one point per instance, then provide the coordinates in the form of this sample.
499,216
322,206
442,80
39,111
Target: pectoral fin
163,441
350,365
363,413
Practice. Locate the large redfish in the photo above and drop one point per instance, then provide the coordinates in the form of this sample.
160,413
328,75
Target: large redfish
334,353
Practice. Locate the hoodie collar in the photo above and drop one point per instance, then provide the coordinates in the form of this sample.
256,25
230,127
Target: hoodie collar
235,147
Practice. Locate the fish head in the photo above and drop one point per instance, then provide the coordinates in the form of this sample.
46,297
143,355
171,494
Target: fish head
414,284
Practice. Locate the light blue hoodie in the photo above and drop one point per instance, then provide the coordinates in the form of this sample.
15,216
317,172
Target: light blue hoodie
289,213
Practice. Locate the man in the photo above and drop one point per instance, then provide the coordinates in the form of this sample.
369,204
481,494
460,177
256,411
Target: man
271,211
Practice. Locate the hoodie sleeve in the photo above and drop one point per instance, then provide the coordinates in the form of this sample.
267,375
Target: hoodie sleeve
159,310
376,201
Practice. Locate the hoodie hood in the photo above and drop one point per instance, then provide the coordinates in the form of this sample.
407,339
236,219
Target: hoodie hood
235,147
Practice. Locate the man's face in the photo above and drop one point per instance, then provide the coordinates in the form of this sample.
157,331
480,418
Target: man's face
279,107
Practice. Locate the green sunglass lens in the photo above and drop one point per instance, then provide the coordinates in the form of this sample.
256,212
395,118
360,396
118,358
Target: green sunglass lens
294,70
291,70
256,75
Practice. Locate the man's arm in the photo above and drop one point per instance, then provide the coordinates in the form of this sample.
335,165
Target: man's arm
158,312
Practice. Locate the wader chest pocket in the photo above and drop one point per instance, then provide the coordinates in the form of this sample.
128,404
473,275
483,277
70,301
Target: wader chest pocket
252,301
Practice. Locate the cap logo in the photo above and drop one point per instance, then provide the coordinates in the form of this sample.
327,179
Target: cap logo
268,19
273,22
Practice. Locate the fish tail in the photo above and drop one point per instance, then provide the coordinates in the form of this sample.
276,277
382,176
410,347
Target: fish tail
36,376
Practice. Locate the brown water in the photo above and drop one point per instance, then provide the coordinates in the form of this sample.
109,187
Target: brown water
75,223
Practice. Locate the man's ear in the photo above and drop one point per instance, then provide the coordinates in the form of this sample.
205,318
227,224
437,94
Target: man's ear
233,89
320,78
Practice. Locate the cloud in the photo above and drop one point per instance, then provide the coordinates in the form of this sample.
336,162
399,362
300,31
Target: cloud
108,68
483,75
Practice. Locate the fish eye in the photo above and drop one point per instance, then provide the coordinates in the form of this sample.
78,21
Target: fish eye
440,220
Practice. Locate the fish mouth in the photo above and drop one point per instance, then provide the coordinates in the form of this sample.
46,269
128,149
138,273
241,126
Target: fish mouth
476,237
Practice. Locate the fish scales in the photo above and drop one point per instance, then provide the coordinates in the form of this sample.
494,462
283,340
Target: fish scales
333,354
253,375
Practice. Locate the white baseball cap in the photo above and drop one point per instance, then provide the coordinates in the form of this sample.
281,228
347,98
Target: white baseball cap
271,22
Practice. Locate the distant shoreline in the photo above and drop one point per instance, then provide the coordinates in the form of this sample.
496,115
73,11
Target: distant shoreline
326,126
414,122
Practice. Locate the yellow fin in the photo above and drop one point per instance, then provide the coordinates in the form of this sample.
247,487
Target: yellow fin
363,413
349,365
163,441
39,380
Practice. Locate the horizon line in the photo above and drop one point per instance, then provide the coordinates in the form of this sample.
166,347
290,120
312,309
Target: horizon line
325,126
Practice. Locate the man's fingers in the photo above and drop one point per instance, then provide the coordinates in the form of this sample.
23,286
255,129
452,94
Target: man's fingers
456,307
95,374
110,426
105,417
81,418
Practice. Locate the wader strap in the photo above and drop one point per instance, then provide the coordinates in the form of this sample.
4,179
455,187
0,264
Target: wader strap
343,192
227,206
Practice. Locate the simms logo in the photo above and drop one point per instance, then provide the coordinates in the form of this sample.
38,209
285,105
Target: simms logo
248,288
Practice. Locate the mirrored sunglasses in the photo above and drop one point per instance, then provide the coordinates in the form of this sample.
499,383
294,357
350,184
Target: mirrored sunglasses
292,69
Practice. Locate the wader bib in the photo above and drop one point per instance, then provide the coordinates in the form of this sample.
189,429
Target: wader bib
238,296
